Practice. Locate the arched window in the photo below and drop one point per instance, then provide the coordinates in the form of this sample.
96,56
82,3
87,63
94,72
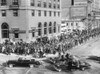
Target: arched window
50,27
44,4
39,29
39,3
54,27
5,30
45,28
39,25
32,2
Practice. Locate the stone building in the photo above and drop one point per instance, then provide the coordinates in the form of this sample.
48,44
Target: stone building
29,19
69,24
85,13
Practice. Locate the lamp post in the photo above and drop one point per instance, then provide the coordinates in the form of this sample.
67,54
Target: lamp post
89,9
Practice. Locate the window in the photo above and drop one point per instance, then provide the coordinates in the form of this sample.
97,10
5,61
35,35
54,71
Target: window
45,28
50,13
58,6
33,34
54,6
15,2
39,13
50,4
45,13
39,32
62,22
50,28
16,35
76,24
33,12
3,13
58,28
72,3
39,3
54,13
3,2
39,29
44,4
54,27
58,13
66,24
32,2
69,29
45,31
5,30
15,12
71,24
58,0
39,25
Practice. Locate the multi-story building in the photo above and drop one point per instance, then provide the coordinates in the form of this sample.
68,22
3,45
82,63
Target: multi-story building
29,19
66,4
93,10
68,23
84,12
96,13
68,26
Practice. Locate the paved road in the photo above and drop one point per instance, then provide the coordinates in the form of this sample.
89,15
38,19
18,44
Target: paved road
92,47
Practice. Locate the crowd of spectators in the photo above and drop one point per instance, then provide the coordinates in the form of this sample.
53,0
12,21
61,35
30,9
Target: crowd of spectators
59,44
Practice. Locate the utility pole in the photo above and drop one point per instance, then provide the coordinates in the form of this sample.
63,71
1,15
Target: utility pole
89,10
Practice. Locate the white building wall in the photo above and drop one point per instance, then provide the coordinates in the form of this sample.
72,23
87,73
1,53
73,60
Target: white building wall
77,25
25,20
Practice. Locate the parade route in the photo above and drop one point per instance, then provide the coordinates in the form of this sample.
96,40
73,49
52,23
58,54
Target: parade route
90,48
50,37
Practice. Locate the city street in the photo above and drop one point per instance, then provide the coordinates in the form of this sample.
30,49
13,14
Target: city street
90,48
50,37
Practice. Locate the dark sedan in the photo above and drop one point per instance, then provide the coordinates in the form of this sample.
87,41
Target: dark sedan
23,62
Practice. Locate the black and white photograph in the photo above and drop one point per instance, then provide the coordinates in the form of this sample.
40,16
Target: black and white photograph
49,36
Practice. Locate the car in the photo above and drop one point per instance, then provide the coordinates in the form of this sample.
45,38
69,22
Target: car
60,67
23,62
55,60
52,60
84,65
65,66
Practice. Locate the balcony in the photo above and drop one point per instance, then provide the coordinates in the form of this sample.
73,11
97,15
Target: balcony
14,6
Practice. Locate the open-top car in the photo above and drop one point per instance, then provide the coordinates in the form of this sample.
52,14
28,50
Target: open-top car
71,66
23,62
55,60
69,62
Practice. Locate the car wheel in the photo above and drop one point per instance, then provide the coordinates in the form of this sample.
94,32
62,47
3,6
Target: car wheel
10,65
36,66
31,65
57,69
83,69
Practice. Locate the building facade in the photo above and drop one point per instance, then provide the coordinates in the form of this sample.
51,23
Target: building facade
29,19
87,12
66,4
93,10
69,26
68,23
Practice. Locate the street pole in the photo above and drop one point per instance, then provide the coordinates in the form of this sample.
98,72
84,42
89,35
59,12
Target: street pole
89,9
87,17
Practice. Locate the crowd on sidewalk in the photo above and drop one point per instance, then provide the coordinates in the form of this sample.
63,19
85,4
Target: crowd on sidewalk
59,44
